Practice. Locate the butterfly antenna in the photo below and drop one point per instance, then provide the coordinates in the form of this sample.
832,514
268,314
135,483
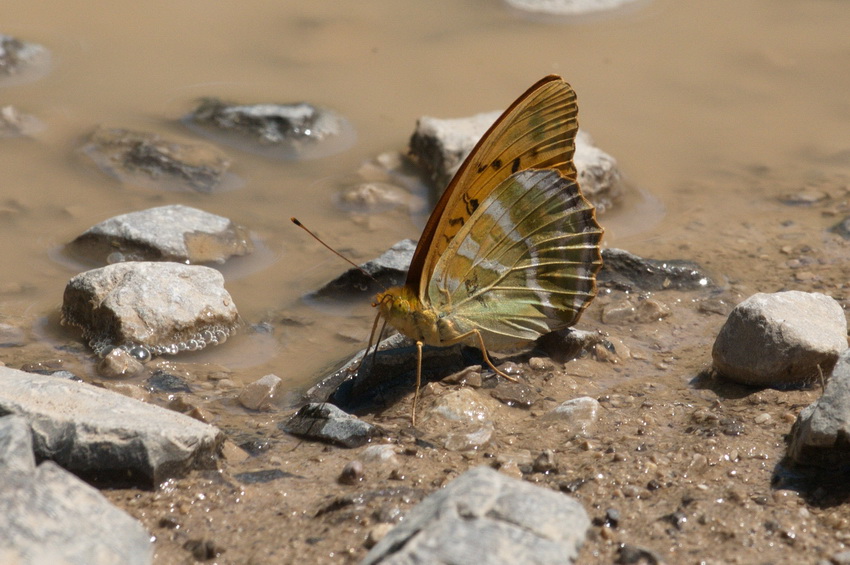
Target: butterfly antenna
371,341
331,249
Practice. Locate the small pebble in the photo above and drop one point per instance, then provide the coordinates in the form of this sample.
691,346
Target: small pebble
119,364
352,473
260,394
376,534
545,462
762,418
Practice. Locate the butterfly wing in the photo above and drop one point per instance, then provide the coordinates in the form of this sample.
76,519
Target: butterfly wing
524,264
537,131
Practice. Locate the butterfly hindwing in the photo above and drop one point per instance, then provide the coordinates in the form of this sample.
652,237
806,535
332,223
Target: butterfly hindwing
537,131
525,264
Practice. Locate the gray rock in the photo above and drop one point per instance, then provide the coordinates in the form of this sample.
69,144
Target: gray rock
488,518
21,61
281,131
565,345
821,434
627,271
163,381
326,422
330,384
166,233
780,338
163,308
387,270
149,160
568,7
441,145
389,374
102,434
47,515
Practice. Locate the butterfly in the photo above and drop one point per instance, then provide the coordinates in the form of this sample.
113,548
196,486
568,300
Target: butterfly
511,250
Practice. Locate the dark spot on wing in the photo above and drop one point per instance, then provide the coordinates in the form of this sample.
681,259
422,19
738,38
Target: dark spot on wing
515,165
472,206
471,284
496,164
482,168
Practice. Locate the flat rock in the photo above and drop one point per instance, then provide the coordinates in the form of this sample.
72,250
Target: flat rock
325,422
387,270
162,308
105,435
150,160
781,338
488,518
281,131
48,515
626,271
441,145
166,233
821,434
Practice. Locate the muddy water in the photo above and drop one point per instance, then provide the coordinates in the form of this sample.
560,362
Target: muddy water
715,109
678,92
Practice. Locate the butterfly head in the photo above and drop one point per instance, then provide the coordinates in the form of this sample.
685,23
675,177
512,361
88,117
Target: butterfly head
401,308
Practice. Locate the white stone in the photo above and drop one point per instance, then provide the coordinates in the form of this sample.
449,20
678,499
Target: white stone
781,338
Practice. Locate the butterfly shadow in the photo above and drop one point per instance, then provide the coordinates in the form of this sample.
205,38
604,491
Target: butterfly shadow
371,385
385,377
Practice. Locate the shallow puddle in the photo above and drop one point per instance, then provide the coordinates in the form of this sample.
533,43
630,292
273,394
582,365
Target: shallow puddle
716,112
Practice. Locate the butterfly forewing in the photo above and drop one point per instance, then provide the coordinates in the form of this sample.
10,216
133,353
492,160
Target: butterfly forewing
525,264
537,131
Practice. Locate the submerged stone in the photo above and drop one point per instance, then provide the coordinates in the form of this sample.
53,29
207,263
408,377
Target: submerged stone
842,228
160,308
484,516
439,146
282,131
105,435
165,233
21,60
627,271
262,393
149,160
14,123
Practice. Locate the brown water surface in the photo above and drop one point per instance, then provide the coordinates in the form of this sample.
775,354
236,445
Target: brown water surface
716,109
679,92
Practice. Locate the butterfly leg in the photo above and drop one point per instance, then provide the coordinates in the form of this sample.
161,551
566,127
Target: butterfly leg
418,381
487,358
